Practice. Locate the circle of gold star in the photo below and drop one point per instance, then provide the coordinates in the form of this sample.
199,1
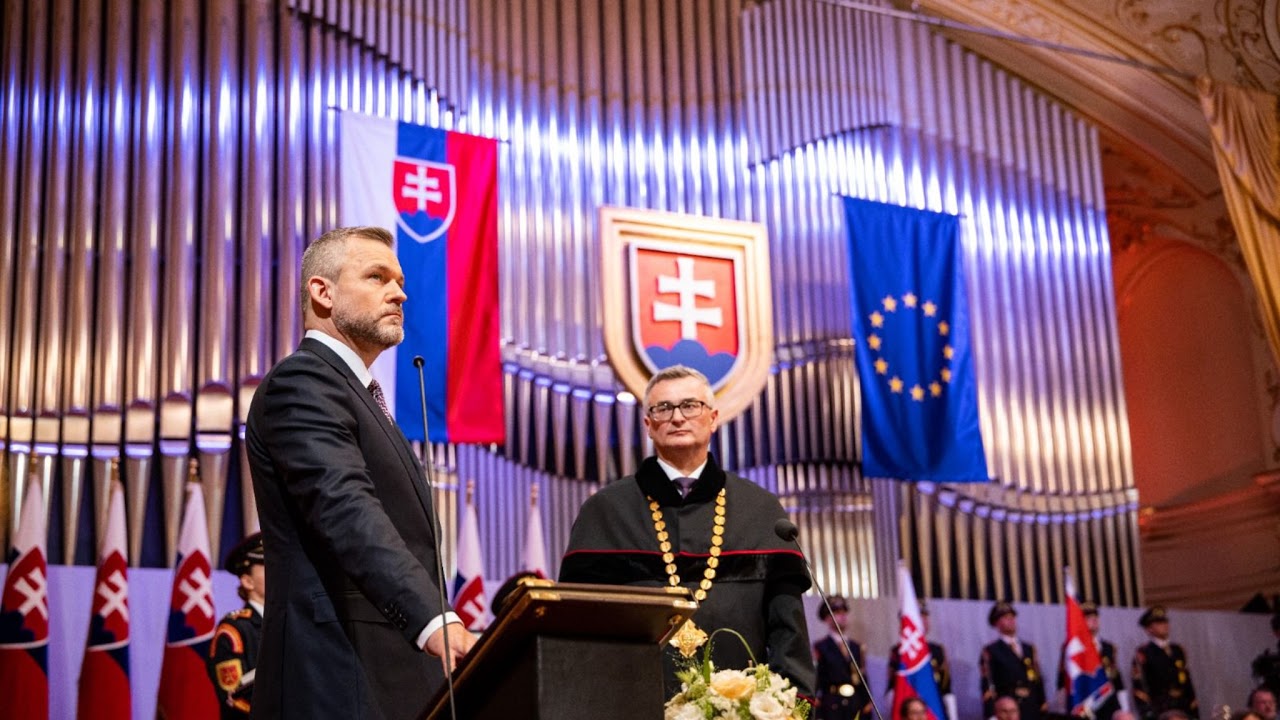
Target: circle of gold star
928,309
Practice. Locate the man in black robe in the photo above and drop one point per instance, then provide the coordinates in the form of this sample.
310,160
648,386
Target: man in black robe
682,520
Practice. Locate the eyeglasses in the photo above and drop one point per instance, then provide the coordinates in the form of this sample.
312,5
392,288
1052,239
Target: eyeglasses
663,411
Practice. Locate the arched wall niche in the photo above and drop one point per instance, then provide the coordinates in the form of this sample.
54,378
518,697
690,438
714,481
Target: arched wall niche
1186,337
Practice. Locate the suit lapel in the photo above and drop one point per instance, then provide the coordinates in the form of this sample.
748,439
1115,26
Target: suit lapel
403,448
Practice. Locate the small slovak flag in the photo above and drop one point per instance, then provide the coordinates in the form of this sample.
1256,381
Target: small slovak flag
915,666
104,675
186,690
1087,684
534,557
469,600
24,614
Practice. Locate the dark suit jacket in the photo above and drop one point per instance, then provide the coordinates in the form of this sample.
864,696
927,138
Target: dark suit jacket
349,548
1005,673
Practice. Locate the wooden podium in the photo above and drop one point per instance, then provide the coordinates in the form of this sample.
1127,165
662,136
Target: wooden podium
569,651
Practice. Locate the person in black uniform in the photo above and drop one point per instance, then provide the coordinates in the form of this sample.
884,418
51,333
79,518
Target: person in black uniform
1107,653
1010,667
234,650
841,693
1266,667
1161,677
937,659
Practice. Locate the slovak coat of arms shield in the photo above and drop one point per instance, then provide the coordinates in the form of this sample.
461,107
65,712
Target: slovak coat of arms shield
687,290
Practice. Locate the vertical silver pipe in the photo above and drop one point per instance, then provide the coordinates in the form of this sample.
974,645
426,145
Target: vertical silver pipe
181,219
22,358
11,113
76,401
53,230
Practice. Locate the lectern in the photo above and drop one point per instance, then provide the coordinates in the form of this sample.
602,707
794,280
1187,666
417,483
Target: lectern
568,651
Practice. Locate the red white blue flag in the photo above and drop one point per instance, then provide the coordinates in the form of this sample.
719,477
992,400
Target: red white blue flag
186,691
438,191
1087,684
469,600
24,615
104,675
915,666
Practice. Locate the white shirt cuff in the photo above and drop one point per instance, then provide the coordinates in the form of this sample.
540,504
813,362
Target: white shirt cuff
439,622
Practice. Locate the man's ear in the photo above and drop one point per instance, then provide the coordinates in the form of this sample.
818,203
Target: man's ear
319,291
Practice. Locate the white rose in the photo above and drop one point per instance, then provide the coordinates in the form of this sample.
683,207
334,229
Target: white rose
683,711
767,707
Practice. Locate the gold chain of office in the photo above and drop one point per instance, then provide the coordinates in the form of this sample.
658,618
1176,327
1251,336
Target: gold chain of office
668,557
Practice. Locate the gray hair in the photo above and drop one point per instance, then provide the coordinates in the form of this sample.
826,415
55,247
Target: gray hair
677,372
325,256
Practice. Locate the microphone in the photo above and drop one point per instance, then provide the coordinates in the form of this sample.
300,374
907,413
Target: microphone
788,532
434,520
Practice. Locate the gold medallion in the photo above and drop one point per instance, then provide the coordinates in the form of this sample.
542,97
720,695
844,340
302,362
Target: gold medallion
688,639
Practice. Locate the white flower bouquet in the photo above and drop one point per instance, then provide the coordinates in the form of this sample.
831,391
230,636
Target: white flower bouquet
756,693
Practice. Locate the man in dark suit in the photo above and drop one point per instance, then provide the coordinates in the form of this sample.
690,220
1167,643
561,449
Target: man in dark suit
1010,667
1161,677
345,509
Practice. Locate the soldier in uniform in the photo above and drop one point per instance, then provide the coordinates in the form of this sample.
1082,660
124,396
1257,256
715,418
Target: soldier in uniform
233,654
841,693
1011,667
1161,678
937,658
1107,652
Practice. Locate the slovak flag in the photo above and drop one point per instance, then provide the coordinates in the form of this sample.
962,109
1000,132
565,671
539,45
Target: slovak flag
534,556
469,600
1087,684
915,667
438,191
186,691
104,675
24,615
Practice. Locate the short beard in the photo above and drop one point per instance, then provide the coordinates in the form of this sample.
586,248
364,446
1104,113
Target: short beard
365,330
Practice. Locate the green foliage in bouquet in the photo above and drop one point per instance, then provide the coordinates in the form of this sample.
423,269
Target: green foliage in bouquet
756,693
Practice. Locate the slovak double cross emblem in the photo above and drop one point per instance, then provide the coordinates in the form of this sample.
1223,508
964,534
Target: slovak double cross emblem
687,290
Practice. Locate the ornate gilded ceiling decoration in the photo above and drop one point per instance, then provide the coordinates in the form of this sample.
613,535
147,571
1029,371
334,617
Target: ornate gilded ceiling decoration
1225,39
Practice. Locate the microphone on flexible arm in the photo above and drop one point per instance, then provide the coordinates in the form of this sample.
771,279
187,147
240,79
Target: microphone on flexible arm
788,532
434,521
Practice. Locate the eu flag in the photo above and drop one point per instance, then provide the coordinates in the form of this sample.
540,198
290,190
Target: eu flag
911,330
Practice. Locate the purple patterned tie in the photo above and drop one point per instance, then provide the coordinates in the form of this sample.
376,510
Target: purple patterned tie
685,483
376,391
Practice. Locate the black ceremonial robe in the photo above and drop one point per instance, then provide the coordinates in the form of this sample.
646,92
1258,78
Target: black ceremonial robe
758,583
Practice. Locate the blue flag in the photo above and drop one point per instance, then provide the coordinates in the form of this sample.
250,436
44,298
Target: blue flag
911,330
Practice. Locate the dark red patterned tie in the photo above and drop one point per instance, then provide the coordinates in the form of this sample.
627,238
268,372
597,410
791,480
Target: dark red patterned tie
376,391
